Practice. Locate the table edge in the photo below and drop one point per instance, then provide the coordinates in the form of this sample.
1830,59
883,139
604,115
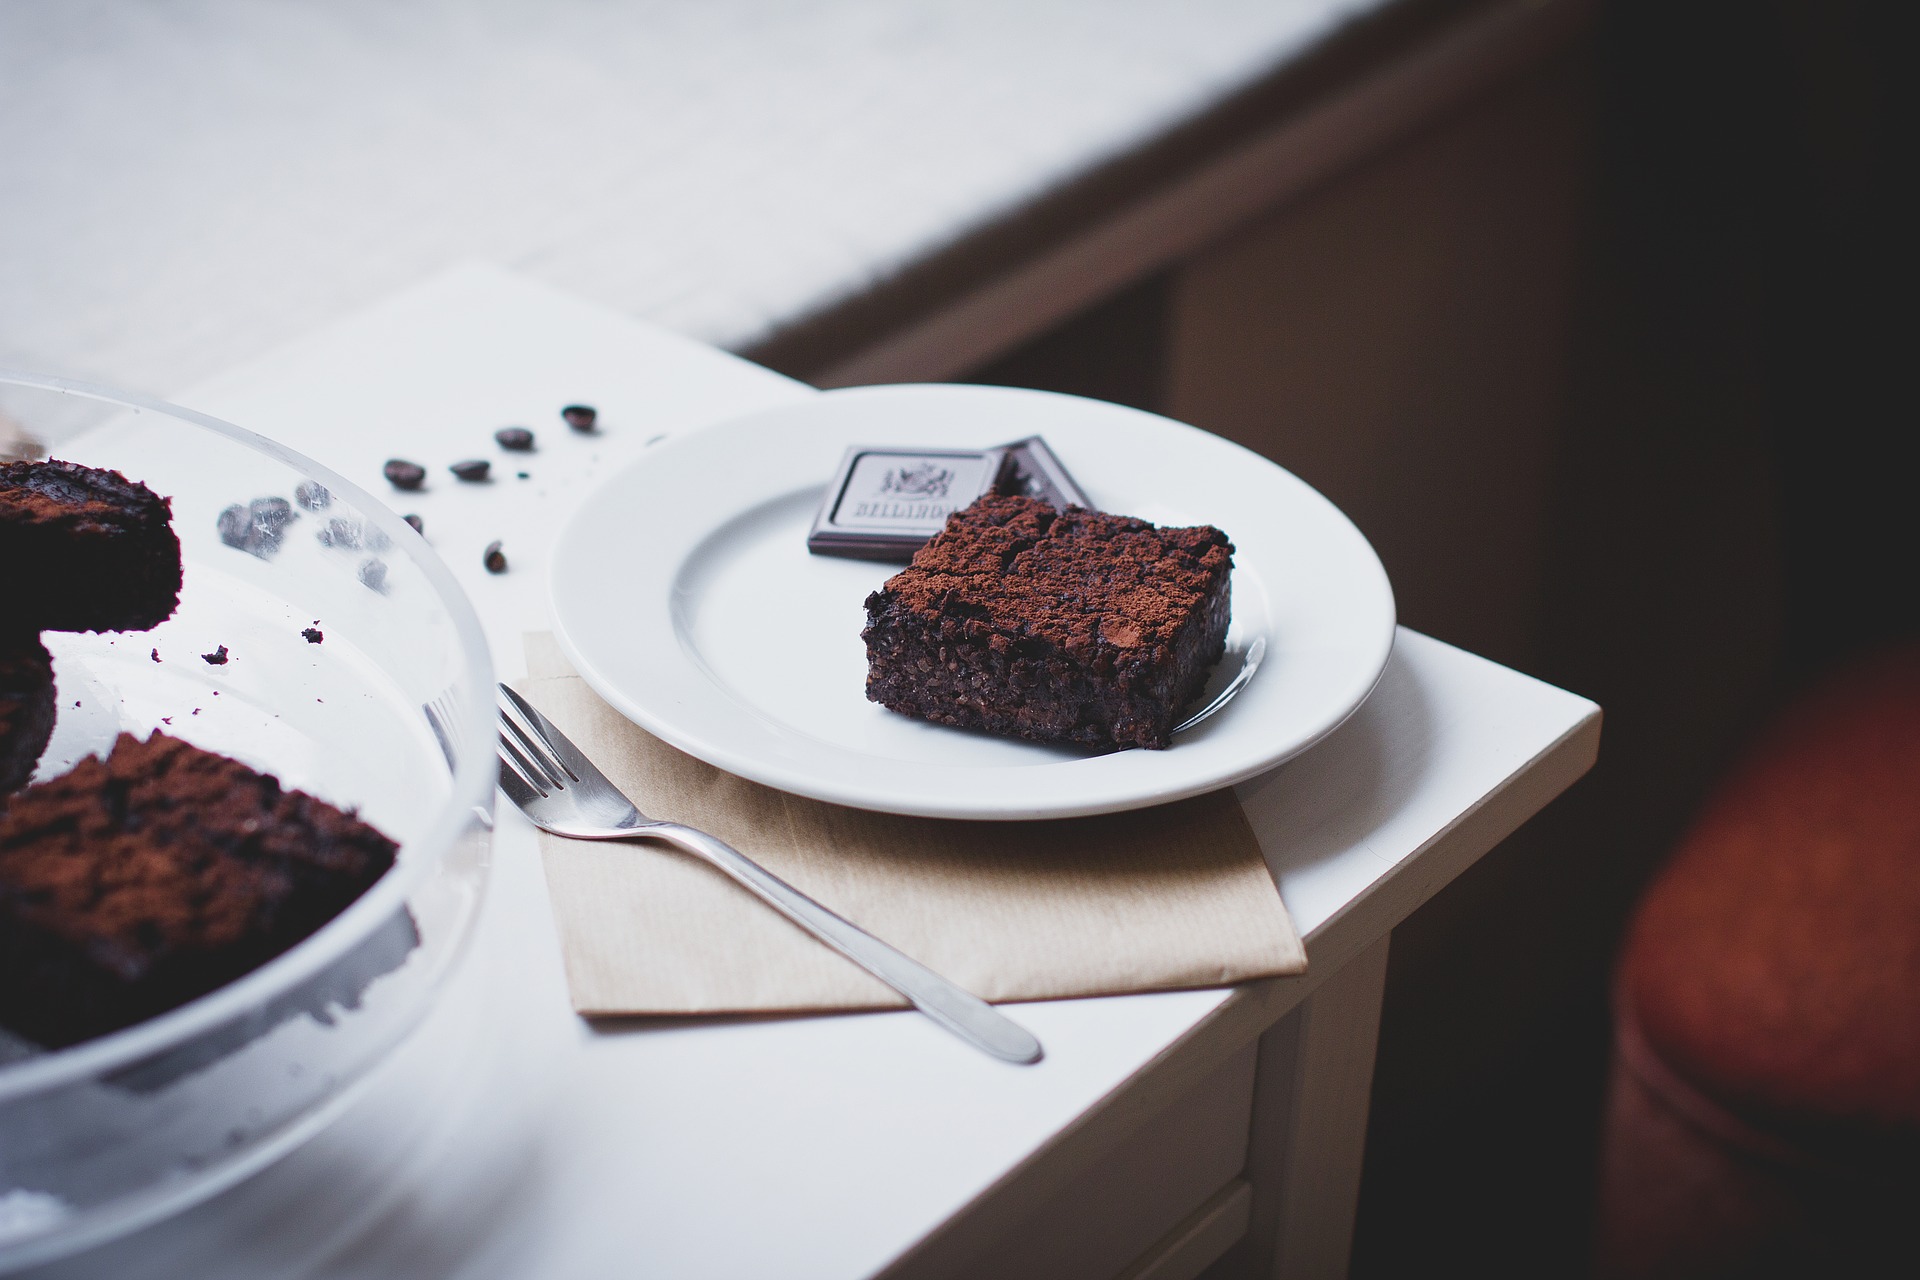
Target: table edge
1251,1009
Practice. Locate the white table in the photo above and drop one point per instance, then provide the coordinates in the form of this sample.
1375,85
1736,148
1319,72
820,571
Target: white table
511,1139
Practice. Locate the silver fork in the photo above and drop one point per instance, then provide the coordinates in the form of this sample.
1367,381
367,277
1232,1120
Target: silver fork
556,786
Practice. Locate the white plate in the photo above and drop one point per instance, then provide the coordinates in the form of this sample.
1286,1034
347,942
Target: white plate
683,592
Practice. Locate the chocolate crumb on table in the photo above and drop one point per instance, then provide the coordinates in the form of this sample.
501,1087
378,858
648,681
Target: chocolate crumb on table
132,885
26,707
473,470
1064,627
402,474
313,634
518,439
84,549
415,523
218,658
581,417
494,558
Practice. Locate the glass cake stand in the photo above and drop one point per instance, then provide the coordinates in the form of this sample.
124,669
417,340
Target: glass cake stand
390,713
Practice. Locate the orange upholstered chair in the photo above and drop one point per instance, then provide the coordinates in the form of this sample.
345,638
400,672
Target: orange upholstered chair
1764,1116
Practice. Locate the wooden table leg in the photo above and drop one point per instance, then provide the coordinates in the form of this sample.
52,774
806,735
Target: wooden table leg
1312,1086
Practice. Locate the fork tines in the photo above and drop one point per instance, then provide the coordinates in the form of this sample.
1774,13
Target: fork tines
524,749
443,717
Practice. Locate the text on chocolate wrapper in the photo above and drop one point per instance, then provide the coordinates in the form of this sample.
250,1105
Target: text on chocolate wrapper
914,511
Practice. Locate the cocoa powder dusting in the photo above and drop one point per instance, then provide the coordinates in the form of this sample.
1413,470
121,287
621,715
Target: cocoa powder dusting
163,848
1068,578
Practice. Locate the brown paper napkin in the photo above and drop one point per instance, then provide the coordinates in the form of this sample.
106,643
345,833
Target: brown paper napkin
1174,896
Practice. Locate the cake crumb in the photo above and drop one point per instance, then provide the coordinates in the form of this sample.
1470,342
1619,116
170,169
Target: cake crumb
218,658
314,635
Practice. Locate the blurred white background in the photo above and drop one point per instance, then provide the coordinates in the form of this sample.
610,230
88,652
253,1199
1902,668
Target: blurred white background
191,182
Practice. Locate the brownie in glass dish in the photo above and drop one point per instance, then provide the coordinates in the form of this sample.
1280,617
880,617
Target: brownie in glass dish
84,549
26,707
134,884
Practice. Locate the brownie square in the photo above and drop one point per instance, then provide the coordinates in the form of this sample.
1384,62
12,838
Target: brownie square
26,708
83,549
132,885
1069,627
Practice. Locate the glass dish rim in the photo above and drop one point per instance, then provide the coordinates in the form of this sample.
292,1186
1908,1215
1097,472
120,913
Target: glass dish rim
467,802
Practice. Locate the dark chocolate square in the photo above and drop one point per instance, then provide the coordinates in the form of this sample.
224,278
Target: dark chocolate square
885,502
1032,470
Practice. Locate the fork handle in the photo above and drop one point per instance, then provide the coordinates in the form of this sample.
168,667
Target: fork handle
961,1012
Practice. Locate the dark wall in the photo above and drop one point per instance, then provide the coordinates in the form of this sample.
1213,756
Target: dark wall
1729,513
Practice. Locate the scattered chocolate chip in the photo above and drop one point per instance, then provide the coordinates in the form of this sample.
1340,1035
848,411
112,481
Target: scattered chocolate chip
156,655
273,514
494,559
166,719
217,658
340,533
314,635
402,474
581,417
373,575
473,470
235,525
312,495
518,439
255,527
416,524
523,475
